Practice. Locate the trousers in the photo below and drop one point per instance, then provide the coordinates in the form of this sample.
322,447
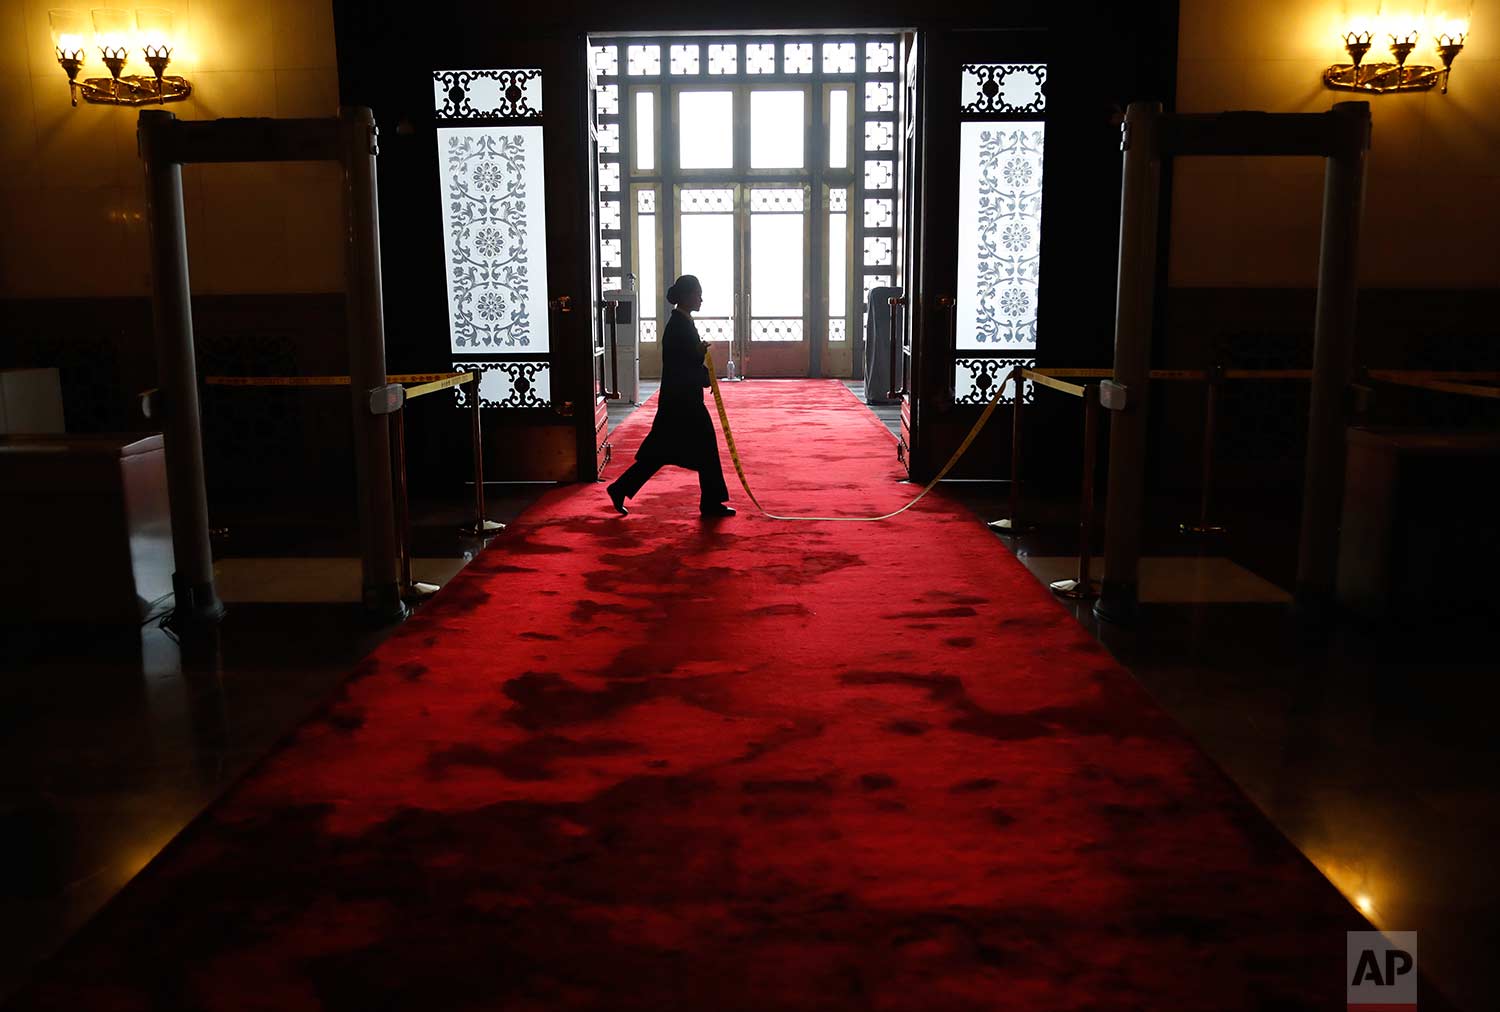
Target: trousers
711,487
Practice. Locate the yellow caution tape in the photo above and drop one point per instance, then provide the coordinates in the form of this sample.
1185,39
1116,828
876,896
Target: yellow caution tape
433,386
739,467
329,381
1050,381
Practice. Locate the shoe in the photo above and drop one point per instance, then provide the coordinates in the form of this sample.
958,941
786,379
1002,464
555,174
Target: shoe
618,498
716,509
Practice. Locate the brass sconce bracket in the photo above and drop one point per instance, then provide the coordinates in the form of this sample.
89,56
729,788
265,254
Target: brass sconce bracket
1384,78
132,89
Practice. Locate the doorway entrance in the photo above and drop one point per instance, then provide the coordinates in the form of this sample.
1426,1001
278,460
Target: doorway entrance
768,167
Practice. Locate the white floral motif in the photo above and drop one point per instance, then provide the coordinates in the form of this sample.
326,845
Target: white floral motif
488,262
1005,233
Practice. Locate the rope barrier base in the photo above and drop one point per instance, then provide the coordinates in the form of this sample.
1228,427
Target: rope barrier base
1075,590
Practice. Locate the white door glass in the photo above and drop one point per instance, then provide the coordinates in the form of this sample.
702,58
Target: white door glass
705,129
776,129
645,130
776,265
708,252
838,129
838,269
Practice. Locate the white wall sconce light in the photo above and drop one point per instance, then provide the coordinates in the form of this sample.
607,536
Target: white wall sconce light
1368,27
117,35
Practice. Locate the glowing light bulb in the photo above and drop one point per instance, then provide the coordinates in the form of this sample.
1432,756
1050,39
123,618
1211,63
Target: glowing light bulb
1363,902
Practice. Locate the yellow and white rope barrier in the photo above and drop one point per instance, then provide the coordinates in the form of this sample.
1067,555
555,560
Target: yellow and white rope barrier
739,467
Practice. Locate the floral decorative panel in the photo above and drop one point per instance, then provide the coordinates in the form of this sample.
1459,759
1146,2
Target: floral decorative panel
797,58
880,57
605,60
609,253
609,215
706,201
645,200
880,212
1004,88
880,96
722,58
877,251
880,175
494,221
1000,222
839,58
487,94
880,136
782,199
607,100
838,330
975,379
838,199
642,60
609,138
683,59
511,384
609,177
760,57
647,331
715,328
776,330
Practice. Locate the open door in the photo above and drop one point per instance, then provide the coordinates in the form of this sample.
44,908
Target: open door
515,157
978,107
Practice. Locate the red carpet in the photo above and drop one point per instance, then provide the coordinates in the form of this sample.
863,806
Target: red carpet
659,763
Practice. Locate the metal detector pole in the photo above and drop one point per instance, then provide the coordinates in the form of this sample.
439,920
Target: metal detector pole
1333,360
196,599
1140,191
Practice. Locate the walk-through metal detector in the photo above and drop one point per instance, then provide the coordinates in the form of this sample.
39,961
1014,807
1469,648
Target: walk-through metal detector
166,144
1342,137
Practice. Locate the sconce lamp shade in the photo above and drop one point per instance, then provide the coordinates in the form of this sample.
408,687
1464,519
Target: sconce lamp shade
114,33
69,29
154,25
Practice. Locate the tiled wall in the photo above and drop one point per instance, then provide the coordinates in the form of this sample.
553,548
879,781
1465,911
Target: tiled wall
1433,188
71,186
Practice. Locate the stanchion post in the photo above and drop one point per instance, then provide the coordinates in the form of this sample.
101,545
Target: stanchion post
481,527
1012,523
1140,191
410,588
1210,426
1084,587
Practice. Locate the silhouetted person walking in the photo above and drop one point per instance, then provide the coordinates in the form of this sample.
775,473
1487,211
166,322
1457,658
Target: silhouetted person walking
682,433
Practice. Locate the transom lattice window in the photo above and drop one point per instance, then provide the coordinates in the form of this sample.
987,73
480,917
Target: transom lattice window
766,166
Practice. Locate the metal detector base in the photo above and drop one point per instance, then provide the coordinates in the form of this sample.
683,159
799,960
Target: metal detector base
1202,529
1075,591
483,529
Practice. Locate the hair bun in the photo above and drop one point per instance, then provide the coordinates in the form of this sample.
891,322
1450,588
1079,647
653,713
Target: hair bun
673,294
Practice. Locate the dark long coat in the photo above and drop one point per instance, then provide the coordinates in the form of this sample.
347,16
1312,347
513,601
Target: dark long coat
682,433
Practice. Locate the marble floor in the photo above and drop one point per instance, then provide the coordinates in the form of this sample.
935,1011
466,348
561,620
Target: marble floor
1373,750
